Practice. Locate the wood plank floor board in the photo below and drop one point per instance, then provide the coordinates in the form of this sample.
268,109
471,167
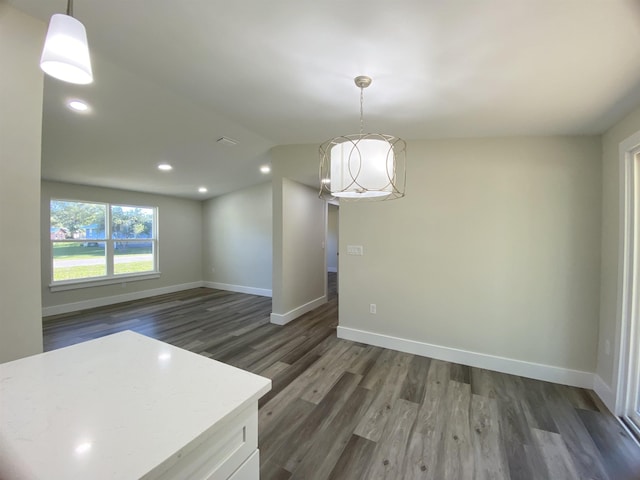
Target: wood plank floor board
275,402
373,422
281,337
354,460
535,407
259,358
299,365
295,388
318,388
586,456
241,329
489,455
275,438
618,449
237,345
416,379
516,437
273,370
389,458
482,383
456,451
311,342
329,394
557,458
379,370
326,448
423,453
272,471
284,378
577,397
460,373
366,361
321,416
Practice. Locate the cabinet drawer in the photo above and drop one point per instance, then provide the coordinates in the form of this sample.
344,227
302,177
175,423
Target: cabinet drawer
220,453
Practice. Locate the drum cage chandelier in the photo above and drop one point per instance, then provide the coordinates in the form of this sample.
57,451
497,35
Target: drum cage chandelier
363,166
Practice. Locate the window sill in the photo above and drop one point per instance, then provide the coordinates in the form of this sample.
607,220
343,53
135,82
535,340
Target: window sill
99,282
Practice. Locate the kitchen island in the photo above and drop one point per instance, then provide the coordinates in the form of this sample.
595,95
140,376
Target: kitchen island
127,406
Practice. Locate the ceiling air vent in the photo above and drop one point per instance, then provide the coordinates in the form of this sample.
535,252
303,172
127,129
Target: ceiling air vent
230,142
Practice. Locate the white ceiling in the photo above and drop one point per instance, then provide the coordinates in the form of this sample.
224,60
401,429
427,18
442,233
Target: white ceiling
171,77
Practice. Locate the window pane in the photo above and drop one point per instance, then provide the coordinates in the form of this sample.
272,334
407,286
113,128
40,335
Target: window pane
131,222
132,257
77,220
73,260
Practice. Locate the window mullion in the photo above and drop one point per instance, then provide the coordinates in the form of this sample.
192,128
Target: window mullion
109,243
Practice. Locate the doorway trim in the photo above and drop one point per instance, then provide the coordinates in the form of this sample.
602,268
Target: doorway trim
629,275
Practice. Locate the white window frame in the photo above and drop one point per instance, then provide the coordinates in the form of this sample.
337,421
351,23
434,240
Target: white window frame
110,277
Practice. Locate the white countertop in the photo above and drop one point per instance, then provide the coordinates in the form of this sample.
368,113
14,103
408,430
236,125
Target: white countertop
114,407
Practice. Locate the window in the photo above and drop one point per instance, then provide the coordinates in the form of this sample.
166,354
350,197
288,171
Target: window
99,241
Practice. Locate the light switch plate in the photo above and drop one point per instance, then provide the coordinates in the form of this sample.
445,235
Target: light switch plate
355,250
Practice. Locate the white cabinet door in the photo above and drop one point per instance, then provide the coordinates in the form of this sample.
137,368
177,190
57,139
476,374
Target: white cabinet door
249,470
222,453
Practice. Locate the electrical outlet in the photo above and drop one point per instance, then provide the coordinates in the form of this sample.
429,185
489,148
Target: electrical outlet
372,308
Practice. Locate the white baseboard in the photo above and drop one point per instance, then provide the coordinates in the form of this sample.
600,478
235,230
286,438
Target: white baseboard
263,292
332,269
125,297
605,393
549,373
283,319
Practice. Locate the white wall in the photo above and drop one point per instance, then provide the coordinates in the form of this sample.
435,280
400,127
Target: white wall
238,240
299,229
303,234
179,248
495,251
21,84
332,237
610,269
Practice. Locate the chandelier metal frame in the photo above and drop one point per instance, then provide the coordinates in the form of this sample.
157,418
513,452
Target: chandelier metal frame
389,185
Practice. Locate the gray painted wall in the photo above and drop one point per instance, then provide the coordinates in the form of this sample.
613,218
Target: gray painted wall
238,238
495,250
21,86
611,211
179,245
299,233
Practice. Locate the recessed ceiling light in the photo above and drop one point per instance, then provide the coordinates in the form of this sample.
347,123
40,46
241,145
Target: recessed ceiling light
78,105
265,168
83,447
203,190
165,167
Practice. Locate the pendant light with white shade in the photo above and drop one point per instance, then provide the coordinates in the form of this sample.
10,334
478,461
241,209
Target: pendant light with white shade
364,166
66,52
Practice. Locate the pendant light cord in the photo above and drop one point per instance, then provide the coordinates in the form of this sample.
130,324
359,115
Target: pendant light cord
70,8
361,110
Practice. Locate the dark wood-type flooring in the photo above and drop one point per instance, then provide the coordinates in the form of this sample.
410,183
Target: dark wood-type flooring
345,410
